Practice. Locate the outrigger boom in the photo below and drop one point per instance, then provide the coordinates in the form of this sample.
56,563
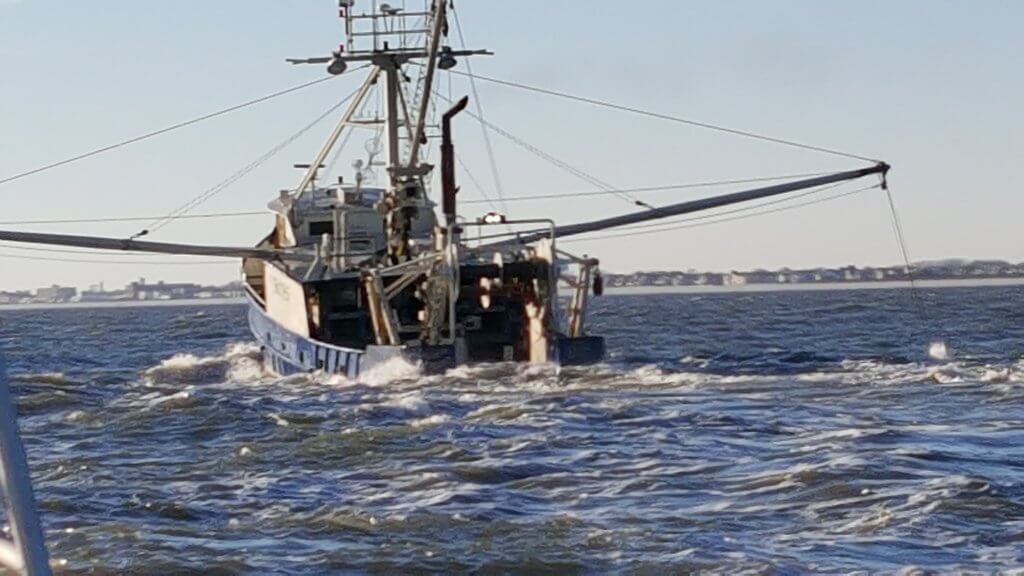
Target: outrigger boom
692,206
679,209
129,245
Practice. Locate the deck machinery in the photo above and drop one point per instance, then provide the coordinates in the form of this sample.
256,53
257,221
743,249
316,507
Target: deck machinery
391,277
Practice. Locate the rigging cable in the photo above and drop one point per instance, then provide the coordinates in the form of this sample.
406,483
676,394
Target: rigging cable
669,225
161,131
901,240
670,118
487,200
555,161
218,188
132,263
128,219
693,224
653,188
479,187
738,210
344,141
488,146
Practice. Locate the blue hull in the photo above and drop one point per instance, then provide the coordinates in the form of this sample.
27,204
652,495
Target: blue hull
286,353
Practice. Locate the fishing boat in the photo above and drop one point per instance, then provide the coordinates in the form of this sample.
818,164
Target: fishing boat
358,273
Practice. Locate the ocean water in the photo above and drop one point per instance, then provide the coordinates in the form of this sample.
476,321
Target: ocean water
776,433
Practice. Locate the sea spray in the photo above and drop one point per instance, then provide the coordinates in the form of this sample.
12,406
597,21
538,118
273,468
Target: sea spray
938,350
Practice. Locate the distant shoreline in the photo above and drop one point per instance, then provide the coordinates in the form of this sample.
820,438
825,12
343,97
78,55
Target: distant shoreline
808,287
619,291
128,304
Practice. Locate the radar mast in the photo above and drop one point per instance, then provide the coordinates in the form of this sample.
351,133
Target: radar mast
393,41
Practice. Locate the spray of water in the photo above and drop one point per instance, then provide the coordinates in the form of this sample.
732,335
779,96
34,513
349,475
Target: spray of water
938,350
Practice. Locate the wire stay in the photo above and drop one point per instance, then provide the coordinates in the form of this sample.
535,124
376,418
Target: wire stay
478,103
225,184
552,160
646,189
692,223
486,200
784,200
165,130
127,219
123,262
668,117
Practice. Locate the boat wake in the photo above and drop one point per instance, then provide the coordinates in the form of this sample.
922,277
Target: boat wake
240,362
813,448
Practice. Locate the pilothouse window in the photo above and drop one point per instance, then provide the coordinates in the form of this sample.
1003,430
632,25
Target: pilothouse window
317,229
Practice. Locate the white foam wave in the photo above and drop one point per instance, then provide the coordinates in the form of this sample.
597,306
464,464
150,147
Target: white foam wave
76,416
279,420
996,375
435,420
41,378
334,380
938,350
393,370
953,373
239,363
412,402
155,400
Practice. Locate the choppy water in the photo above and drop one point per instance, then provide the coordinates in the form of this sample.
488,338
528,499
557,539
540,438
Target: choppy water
761,433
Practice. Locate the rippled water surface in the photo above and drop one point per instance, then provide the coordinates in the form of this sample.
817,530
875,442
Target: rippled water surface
759,433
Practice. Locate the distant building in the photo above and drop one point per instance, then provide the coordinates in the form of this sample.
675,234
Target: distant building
872,274
828,275
97,293
56,294
761,277
852,274
988,268
896,273
161,290
15,297
735,279
103,296
707,280
232,290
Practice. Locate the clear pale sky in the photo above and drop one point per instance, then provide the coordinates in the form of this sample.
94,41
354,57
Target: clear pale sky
932,86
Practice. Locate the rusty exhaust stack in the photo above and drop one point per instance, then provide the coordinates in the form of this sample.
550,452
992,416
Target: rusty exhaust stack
448,187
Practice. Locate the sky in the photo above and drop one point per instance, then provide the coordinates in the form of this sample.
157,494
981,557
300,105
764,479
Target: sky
931,86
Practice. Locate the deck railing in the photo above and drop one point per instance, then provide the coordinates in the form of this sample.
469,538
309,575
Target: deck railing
26,552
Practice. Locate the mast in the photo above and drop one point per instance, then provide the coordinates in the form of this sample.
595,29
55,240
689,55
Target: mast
439,24
389,38
393,121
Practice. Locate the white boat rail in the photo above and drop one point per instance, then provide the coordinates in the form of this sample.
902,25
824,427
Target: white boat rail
26,552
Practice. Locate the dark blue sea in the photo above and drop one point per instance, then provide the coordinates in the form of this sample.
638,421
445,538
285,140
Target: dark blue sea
775,433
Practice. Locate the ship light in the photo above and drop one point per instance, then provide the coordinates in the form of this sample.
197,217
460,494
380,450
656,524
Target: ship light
446,61
337,65
493,218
